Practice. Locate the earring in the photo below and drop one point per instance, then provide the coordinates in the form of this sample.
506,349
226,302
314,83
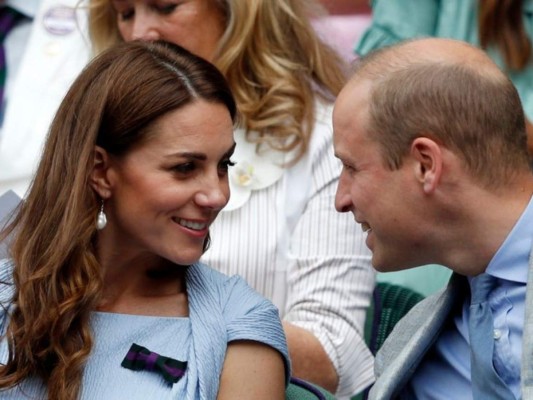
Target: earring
101,219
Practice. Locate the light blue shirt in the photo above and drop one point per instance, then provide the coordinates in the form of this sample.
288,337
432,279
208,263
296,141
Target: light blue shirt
445,372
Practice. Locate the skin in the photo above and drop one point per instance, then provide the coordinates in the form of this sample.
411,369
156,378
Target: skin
430,210
160,198
198,26
176,177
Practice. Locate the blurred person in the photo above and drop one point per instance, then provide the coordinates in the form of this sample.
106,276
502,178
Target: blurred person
44,51
342,24
104,296
432,137
279,231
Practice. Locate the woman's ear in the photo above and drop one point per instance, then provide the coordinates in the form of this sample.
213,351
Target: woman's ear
99,178
428,163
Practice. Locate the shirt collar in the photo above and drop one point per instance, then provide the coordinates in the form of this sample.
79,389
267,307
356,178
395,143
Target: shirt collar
511,261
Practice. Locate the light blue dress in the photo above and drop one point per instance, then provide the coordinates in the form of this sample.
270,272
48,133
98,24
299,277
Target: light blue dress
221,309
396,20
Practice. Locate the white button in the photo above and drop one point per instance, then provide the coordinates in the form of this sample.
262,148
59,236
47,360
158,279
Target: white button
497,334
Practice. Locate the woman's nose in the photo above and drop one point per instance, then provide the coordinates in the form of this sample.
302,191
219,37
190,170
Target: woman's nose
145,27
214,196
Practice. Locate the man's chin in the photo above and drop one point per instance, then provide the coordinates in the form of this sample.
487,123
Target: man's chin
382,265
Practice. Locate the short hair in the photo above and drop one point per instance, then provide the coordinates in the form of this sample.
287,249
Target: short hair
58,280
471,109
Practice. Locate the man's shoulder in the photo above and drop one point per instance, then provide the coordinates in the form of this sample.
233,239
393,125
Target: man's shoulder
412,337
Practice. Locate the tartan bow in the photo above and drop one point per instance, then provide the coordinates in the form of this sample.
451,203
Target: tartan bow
140,358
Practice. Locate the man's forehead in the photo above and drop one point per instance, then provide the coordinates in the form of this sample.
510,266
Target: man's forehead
352,103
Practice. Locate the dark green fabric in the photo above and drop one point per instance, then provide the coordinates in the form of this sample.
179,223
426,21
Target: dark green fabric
389,304
301,390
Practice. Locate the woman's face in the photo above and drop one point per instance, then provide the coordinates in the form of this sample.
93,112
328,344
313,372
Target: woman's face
196,25
167,190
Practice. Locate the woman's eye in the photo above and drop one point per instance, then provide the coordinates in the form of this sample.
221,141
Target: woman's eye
167,8
126,15
184,168
225,164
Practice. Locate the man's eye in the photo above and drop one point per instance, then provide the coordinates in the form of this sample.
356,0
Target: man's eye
349,168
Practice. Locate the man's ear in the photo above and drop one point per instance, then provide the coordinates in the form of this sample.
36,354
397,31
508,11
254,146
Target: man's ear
99,178
427,156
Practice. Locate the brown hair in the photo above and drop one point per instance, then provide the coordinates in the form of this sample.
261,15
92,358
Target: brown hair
473,110
273,59
501,25
56,275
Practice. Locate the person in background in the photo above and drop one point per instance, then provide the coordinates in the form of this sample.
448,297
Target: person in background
279,231
342,24
504,28
44,50
432,137
104,297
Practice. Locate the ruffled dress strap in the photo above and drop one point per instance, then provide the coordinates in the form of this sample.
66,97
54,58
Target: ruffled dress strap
209,335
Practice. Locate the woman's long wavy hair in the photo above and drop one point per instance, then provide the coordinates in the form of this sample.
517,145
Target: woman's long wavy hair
501,25
273,59
57,277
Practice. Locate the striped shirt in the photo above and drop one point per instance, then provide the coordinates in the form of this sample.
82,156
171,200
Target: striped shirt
282,234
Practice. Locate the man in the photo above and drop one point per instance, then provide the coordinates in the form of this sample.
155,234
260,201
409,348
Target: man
45,50
432,138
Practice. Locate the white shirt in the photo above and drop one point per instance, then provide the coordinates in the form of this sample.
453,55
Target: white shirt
53,49
282,234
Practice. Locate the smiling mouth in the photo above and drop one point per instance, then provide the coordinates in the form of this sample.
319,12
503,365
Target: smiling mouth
195,226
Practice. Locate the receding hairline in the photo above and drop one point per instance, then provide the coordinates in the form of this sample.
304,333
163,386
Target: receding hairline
380,64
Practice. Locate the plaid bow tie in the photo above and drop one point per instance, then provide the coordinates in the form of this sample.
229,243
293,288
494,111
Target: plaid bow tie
140,358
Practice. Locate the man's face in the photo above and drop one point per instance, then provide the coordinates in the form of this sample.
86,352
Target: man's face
380,199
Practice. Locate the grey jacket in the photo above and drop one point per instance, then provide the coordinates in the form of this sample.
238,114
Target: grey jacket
414,335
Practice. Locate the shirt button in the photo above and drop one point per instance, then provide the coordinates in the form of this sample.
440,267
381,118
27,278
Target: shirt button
496,334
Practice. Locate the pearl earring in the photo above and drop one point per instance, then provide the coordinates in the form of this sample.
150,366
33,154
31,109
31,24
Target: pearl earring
101,220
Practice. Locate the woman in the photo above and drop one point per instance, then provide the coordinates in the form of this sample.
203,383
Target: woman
104,297
280,230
